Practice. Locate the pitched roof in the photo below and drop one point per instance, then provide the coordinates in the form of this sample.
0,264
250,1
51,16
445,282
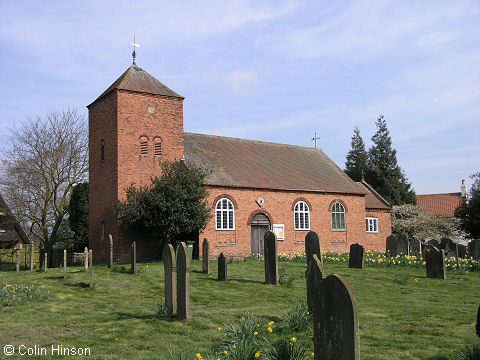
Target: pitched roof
374,200
440,204
10,224
257,164
137,79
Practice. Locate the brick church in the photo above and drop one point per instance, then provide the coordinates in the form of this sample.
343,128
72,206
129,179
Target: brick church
253,187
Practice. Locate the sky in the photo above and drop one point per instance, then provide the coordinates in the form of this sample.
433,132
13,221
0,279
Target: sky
277,71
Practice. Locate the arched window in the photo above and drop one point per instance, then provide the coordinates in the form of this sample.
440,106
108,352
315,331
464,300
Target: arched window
157,146
143,146
302,216
338,216
224,215
102,150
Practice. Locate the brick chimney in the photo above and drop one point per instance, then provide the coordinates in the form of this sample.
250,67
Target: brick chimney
463,189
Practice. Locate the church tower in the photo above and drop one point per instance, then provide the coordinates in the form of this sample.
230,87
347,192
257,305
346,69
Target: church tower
134,125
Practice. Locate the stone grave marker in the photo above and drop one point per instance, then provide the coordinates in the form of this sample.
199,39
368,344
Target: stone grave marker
415,246
313,246
402,247
335,313
478,321
315,274
85,260
205,257
462,250
434,242
64,264
270,258
450,248
110,250
32,248
222,267
391,248
170,267
183,279
357,256
474,249
45,261
17,266
90,257
435,262
134,257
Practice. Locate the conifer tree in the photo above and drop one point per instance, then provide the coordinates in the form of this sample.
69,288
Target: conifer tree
384,173
356,164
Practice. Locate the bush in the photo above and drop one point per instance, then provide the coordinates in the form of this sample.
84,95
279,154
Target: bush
12,294
297,317
285,350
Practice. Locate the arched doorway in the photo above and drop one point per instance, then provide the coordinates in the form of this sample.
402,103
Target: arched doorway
260,224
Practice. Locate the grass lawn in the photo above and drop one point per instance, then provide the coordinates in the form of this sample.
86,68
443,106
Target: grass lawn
402,314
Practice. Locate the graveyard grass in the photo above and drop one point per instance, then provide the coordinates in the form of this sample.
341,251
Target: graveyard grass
402,314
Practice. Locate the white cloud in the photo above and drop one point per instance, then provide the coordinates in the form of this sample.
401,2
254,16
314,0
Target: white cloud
235,81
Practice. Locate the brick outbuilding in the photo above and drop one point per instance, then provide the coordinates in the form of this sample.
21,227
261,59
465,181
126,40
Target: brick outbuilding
254,186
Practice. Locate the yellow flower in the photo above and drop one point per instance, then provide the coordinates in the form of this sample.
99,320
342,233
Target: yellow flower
271,323
313,355
294,339
269,329
198,356
416,280
225,352
424,263
258,325
308,312
257,354
219,329
234,346
255,333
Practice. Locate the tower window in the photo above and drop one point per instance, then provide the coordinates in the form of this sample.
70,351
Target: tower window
143,146
102,151
157,147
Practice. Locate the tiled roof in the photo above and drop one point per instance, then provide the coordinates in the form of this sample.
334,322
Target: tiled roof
137,79
374,200
256,164
13,229
440,204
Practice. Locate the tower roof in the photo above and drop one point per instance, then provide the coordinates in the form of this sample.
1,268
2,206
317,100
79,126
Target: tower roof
137,79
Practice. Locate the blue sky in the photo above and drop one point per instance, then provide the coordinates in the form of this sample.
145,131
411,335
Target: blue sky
267,70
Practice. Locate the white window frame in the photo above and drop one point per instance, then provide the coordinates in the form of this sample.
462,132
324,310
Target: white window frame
279,230
224,211
371,223
338,213
305,223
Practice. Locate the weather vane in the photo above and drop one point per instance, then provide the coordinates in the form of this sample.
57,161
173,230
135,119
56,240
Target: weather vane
134,44
315,138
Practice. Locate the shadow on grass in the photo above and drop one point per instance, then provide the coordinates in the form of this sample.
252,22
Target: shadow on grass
126,316
246,281
122,270
81,285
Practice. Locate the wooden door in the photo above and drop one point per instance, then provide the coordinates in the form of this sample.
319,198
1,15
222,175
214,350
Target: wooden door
260,225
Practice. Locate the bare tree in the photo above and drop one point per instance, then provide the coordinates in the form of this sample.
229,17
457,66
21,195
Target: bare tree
45,158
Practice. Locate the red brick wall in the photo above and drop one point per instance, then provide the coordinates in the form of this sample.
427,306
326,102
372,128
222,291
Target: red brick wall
279,206
378,240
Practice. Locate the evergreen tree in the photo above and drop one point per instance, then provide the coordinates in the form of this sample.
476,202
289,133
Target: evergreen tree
356,164
469,210
384,173
78,215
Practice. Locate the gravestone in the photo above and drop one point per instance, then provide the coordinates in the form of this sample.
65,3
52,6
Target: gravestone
315,274
435,262
474,249
45,261
450,248
415,246
134,257
64,264
205,257
170,270
32,248
183,279
17,266
478,321
402,247
222,267
110,251
357,256
313,246
335,323
270,258
391,248
90,257
85,260
434,242
462,251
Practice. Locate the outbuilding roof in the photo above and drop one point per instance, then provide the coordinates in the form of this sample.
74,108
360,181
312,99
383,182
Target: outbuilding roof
137,79
443,205
12,232
257,164
373,200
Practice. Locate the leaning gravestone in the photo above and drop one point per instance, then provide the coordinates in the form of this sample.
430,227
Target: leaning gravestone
205,257
357,256
85,261
90,257
435,262
270,258
474,249
415,246
170,267
134,257
402,247
315,274
335,323
391,248
183,279
222,267
110,251
64,264
434,242
313,246
450,248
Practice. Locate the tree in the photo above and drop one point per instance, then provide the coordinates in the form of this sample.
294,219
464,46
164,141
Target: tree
45,158
414,222
173,204
356,164
384,173
468,212
78,215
